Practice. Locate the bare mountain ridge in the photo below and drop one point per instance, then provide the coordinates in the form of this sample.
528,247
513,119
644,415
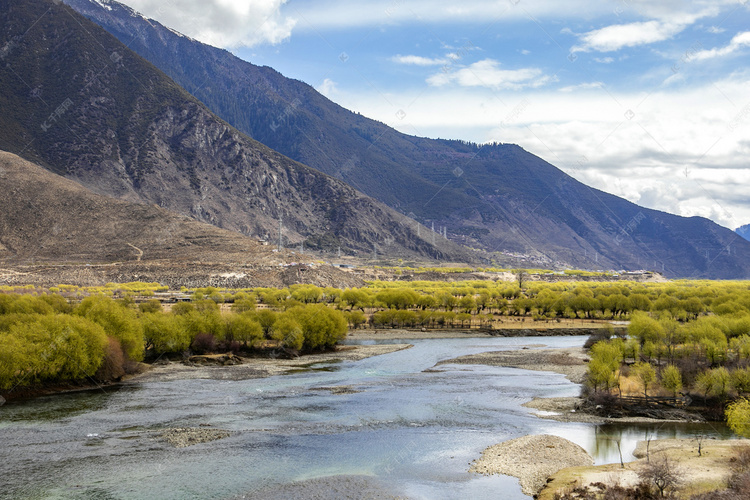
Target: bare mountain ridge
496,197
46,219
79,103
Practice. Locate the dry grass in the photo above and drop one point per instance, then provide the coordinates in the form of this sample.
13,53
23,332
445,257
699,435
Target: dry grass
701,474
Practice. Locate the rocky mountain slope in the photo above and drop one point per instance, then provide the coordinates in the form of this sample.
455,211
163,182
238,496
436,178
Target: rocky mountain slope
744,231
44,216
79,103
497,197
50,226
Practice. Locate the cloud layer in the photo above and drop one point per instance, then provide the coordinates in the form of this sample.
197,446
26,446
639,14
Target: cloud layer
488,73
222,23
658,150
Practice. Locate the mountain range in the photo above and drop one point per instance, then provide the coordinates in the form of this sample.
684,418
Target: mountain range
497,197
79,103
198,132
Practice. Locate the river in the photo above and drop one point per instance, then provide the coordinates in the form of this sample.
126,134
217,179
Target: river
399,431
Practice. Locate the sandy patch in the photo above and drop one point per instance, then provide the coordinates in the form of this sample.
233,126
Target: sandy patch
570,361
532,459
563,410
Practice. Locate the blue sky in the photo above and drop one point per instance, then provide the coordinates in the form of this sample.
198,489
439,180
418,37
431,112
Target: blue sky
646,100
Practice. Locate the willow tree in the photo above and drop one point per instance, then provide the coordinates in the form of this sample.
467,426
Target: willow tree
671,379
645,374
738,417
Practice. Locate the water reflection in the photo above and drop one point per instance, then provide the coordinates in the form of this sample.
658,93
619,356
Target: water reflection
58,406
605,439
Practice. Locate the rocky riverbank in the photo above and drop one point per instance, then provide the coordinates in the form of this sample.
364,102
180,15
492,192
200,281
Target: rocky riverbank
532,459
215,367
569,361
182,437
252,368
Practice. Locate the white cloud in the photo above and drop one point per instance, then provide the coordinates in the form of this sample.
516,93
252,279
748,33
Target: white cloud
487,73
604,60
222,23
738,41
327,88
663,21
683,151
715,30
582,86
615,37
419,60
347,14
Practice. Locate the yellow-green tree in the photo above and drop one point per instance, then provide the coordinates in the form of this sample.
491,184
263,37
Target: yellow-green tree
118,321
321,326
645,328
243,328
50,347
645,374
165,333
738,417
671,379
288,332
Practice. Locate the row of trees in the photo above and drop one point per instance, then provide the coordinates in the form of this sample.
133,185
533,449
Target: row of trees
683,301
45,338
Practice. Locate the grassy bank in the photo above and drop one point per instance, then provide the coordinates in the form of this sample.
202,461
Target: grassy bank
713,469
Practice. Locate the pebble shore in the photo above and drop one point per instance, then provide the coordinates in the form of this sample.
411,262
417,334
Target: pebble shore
181,437
532,459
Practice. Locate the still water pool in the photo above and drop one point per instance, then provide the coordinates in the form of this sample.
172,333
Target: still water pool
400,431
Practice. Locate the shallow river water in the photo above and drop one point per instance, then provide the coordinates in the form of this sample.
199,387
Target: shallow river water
405,433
